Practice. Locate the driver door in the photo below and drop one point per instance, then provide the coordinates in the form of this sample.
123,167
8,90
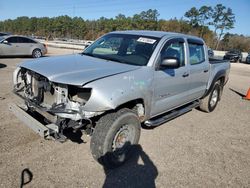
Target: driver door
9,48
171,86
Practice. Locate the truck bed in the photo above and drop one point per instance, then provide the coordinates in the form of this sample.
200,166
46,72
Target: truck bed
215,61
216,66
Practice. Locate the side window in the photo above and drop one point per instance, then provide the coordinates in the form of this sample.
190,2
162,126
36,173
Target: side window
12,40
25,40
196,53
174,49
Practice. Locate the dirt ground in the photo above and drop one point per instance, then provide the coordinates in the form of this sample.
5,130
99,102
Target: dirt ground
194,150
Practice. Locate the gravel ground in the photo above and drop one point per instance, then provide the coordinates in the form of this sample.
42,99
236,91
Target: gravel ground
194,150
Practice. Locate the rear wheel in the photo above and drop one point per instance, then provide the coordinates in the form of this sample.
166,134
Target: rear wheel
209,103
36,53
114,136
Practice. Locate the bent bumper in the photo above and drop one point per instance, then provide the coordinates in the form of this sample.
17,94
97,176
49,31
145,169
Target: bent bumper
44,131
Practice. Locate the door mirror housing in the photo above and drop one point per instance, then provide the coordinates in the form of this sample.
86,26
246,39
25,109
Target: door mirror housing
170,63
5,42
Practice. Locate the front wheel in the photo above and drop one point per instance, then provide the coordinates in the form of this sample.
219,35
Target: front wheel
36,53
209,103
114,136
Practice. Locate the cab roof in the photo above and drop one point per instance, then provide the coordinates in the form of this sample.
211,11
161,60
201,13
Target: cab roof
158,34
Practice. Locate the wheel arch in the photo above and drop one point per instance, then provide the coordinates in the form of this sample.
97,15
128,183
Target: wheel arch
137,105
36,48
219,76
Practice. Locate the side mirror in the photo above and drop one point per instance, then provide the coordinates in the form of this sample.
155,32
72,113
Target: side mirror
170,62
5,42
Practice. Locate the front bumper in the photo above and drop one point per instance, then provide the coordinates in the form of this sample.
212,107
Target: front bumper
45,131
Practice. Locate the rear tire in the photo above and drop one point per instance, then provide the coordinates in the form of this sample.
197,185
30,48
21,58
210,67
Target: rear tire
209,103
36,53
114,136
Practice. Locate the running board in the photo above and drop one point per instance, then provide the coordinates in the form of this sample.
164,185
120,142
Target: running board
171,115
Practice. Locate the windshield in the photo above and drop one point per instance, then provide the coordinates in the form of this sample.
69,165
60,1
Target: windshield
123,48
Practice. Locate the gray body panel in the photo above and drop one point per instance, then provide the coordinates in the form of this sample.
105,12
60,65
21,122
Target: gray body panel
76,69
7,49
114,84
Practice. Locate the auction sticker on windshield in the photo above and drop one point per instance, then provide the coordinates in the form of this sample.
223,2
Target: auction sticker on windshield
146,40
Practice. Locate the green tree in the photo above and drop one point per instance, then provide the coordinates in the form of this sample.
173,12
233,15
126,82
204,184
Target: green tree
223,19
199,18
205,13
193,16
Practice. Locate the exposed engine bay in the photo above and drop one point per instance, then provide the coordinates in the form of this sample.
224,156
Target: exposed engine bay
59,103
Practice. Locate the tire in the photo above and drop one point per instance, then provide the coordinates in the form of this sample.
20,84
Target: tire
114,136
36,53
209,103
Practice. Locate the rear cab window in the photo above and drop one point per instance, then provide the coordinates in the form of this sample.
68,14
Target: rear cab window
196,51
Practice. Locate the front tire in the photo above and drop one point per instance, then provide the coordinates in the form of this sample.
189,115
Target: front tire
114,136
209,103
36,53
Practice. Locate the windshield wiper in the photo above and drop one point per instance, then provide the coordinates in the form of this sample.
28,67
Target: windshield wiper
88,54
113,59
107,58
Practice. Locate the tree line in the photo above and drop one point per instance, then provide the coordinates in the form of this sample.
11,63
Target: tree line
210,23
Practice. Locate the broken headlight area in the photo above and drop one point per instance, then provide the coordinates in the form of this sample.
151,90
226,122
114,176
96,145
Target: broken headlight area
57,106
80,95
63,100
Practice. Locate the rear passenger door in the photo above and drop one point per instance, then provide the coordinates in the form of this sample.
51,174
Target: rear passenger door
25,46
199,68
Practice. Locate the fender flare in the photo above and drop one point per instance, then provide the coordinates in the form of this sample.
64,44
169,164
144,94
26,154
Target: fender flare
218,76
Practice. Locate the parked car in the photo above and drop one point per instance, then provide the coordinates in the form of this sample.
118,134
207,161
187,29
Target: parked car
248,58
233,56
151,78
13,45
210,52
4,34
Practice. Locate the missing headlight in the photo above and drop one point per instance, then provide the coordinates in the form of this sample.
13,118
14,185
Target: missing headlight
80,95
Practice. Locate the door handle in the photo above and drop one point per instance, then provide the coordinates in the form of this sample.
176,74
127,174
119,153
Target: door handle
185,75
205,70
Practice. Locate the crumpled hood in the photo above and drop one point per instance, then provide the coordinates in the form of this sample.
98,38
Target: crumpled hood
75,69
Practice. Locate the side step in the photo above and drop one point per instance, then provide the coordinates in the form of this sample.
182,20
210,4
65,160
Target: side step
171,115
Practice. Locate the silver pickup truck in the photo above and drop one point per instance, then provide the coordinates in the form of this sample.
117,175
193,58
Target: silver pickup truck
122,81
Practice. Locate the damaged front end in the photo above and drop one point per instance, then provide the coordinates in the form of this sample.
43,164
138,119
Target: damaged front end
61,106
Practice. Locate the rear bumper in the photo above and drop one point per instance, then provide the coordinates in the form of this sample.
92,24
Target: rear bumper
44,51
44,131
